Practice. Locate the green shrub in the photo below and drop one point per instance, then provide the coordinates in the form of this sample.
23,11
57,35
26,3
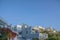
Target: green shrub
35,39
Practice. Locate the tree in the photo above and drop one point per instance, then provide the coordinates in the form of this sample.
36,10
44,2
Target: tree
35,39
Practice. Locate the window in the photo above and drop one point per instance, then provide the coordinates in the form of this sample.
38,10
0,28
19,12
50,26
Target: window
26,32
20,32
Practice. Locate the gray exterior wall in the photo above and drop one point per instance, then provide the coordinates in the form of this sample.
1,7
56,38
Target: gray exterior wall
3,23
26,33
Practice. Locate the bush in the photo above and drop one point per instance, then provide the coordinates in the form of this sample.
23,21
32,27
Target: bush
35,39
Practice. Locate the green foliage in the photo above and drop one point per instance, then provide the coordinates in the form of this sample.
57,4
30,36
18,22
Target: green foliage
35,39
5,39
53,37
3,36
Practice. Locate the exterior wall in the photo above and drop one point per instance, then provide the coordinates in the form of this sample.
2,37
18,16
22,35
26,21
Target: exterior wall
43,35
15,38
27,34
3,23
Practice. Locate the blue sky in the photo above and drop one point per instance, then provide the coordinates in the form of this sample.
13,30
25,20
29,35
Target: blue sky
32,12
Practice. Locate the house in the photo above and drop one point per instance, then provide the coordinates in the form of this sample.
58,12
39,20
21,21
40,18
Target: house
41,30
25,32
11,35
7,34
3,23
5,30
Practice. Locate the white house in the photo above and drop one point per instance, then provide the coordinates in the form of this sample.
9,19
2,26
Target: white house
25,32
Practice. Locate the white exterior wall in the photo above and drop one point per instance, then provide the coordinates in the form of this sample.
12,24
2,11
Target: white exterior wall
43,35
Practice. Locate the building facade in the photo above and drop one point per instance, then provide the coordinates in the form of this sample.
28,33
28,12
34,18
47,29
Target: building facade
24,32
